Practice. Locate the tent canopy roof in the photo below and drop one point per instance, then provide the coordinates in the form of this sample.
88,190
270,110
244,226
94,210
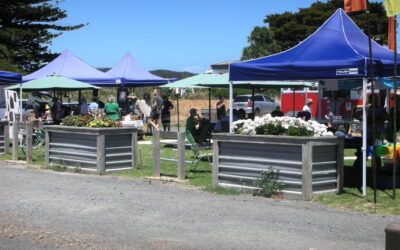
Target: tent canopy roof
338,49
70,66
10,77
131,73
54,82
212,80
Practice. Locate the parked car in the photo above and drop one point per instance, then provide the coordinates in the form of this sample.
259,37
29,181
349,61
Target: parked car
244,105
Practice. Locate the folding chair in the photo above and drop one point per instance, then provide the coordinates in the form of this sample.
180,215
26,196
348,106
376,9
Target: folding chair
198,152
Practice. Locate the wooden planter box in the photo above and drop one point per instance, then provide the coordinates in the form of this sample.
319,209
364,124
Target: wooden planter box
4,137
307,165
100,150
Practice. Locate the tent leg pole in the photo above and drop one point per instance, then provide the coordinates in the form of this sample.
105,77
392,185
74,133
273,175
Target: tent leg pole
294,100
177,108
253,103
364,139
395,110
371,74
209,104
230,107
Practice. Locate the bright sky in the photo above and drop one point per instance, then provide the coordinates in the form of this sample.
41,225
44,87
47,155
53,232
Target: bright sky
165,34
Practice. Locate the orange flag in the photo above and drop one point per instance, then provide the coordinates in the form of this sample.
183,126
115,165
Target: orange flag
391,35
354,5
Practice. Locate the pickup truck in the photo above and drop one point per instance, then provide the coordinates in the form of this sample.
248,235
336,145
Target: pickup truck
262,104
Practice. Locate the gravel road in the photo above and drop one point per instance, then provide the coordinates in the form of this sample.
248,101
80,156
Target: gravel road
42,209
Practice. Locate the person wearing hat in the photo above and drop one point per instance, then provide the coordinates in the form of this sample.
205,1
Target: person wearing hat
132,105
47,118
192,121
307,112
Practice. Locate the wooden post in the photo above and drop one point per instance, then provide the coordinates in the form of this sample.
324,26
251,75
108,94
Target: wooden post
47,149
134,149
29,139
339,164
215,167
15,138
156,153
101,154
6,139
181,155
306,185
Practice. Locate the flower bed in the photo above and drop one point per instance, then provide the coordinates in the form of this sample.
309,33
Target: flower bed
90,122
91,144
268,125
309,159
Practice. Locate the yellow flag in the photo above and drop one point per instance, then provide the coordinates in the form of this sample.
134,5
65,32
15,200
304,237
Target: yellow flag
392,7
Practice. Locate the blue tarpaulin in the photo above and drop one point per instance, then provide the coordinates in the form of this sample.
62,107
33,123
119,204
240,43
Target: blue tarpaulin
132,74
337,50
9,77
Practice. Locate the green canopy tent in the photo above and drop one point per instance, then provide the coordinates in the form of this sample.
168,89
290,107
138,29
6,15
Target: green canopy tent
52,82
213,80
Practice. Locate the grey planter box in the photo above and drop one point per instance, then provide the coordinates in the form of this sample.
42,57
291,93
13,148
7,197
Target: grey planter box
100,150
307,165
4,137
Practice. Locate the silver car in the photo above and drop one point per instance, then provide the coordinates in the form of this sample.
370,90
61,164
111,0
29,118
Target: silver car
244,105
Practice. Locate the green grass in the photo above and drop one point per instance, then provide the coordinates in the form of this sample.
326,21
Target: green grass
201,176
37,156
349,152
353,199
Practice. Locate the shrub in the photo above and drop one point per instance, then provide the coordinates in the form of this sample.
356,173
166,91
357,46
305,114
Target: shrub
268,183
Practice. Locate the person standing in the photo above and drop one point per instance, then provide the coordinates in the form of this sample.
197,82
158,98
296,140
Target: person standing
156,108
166,113
56,111
84,107
111,109
307,112
221,108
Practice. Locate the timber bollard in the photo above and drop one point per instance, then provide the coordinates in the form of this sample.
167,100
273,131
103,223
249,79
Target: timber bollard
156,153
29,139
134,150
392,236
15,139
181,155
6,139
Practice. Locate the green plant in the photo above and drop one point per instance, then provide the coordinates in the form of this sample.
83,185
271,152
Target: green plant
268,183
89,121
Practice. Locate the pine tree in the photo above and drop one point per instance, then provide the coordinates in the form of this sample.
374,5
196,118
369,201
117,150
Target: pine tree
27,28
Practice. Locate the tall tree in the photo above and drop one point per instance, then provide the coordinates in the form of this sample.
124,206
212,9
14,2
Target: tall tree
290,28
262,43
27,27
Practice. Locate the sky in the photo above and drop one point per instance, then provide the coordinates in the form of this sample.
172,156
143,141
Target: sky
177,35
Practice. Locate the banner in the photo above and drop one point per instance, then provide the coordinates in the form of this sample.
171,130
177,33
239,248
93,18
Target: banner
392,7
391,33
354,5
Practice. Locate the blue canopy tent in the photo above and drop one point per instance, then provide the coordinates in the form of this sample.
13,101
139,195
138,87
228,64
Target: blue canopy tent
9,77
337,50
70,66
131,74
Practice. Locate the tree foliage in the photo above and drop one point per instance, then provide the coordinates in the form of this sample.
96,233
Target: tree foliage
27,27
290,28
262,43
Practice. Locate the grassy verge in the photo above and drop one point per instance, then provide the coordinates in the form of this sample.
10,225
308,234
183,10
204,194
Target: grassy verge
353,199
37,156
199,176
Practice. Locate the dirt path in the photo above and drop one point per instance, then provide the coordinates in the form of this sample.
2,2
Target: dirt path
44,210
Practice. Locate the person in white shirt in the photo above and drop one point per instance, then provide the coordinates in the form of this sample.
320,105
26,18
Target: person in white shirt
307,112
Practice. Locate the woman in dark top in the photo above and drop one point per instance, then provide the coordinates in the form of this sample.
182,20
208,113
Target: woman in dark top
166,113
221,109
